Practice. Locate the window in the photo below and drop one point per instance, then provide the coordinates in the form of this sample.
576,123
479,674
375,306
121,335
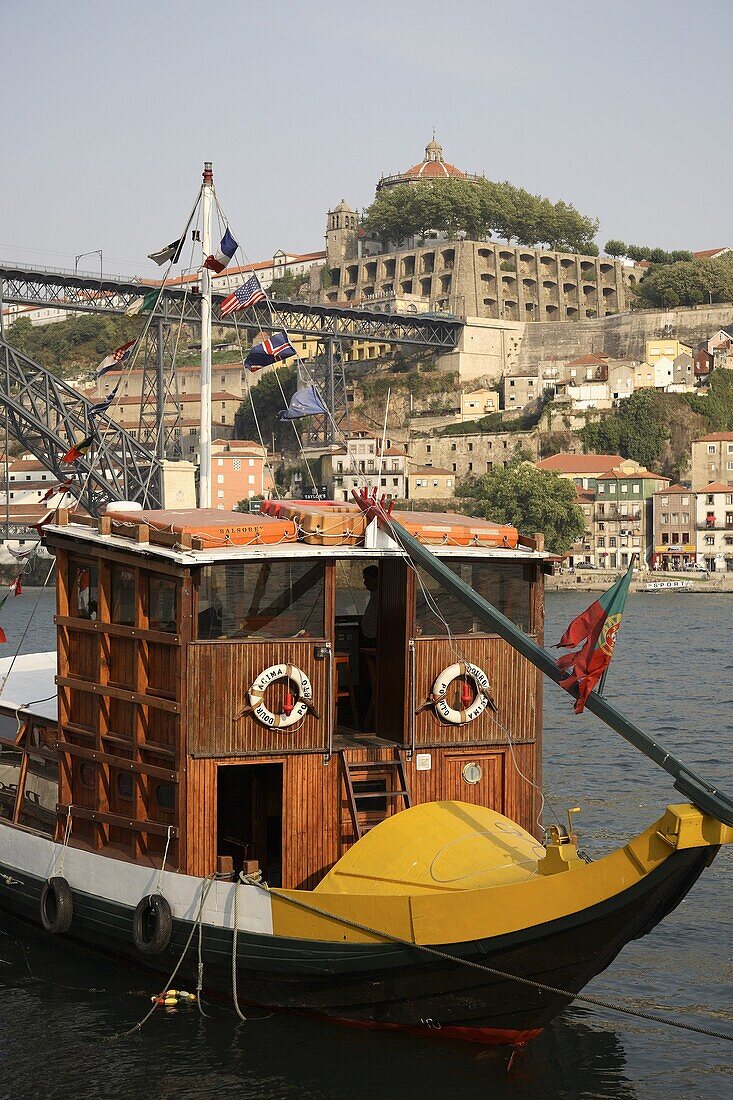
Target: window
711,448
686,536
710,540
40,794
601,488
237,465
428,448
710,499
273,599
665,538
686,517
449,482
84,592
501,583
453,446
624,488
123,596
665,517
470,446
601,509
602,542
685,501
220,461
612,541
163,593
220,479
219,494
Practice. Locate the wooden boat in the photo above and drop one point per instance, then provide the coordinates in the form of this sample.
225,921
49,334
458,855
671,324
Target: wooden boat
228,746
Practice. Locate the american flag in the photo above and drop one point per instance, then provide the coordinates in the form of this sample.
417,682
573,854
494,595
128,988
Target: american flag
243,297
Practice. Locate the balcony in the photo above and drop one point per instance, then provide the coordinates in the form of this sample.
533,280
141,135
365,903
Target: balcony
715,525
615,516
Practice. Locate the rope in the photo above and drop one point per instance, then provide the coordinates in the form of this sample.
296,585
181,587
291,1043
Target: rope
206,884
67,834
235,999
158,885
586,998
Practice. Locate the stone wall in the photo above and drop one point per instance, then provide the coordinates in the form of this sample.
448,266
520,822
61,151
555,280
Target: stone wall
622,336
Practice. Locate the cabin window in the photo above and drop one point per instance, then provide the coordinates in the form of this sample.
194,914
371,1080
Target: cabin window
272,599
123,596
10,759
165,796
83,590
124,786
40,795
87,775
163,604
501,583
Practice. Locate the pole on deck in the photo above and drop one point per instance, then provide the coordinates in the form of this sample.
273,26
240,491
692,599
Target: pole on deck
207,193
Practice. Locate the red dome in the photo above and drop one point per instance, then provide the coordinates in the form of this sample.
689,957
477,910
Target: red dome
433,169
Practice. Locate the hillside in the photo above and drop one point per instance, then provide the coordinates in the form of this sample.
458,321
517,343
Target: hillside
657,428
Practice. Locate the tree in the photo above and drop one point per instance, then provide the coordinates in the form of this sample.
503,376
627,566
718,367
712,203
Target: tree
637,253
687,283
480,209
615,248
267,398
289,286
638,429
529,499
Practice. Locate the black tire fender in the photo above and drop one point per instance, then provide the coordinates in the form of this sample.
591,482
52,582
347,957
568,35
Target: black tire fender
152,925
57,906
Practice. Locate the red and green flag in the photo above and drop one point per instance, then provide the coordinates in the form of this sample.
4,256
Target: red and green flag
596,628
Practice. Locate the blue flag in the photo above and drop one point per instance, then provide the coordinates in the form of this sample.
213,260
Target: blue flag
271,350
306,402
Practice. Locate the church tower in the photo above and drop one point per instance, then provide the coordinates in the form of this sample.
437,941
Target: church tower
342,231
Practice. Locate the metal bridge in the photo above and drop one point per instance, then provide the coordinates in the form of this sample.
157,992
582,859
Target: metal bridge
48,416
329,325
85,293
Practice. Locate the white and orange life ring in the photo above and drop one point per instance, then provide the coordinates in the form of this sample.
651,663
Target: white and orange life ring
302,704
482,699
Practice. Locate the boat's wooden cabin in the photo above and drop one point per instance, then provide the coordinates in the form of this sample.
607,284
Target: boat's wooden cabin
167,621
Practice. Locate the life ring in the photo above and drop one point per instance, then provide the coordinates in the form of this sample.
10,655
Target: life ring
57,906
481,701
302,704
152,925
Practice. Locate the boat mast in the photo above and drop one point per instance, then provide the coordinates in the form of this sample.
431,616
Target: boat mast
207,195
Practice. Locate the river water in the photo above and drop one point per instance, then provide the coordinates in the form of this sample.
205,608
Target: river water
61,1008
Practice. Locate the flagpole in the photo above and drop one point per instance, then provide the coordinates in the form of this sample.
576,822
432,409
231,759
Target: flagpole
207,191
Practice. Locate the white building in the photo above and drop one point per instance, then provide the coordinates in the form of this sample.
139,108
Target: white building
715,527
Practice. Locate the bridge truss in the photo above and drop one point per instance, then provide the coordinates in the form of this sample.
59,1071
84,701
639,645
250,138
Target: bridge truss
48,416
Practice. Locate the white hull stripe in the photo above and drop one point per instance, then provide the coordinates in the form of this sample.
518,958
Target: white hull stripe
125,883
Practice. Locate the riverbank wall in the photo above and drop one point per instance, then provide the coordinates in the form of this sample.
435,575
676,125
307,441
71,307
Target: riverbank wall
598,580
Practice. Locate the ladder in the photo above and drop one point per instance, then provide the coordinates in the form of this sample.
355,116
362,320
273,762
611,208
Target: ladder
392,772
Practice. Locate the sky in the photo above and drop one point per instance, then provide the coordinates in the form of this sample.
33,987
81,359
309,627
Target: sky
109,111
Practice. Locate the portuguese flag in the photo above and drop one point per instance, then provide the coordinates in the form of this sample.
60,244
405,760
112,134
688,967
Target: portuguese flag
596,629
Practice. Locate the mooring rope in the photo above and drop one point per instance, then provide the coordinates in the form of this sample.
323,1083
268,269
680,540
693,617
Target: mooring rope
206,884
585,998
235,999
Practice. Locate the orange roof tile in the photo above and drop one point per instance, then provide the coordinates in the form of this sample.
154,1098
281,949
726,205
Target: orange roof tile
715,437
717,487
579,464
